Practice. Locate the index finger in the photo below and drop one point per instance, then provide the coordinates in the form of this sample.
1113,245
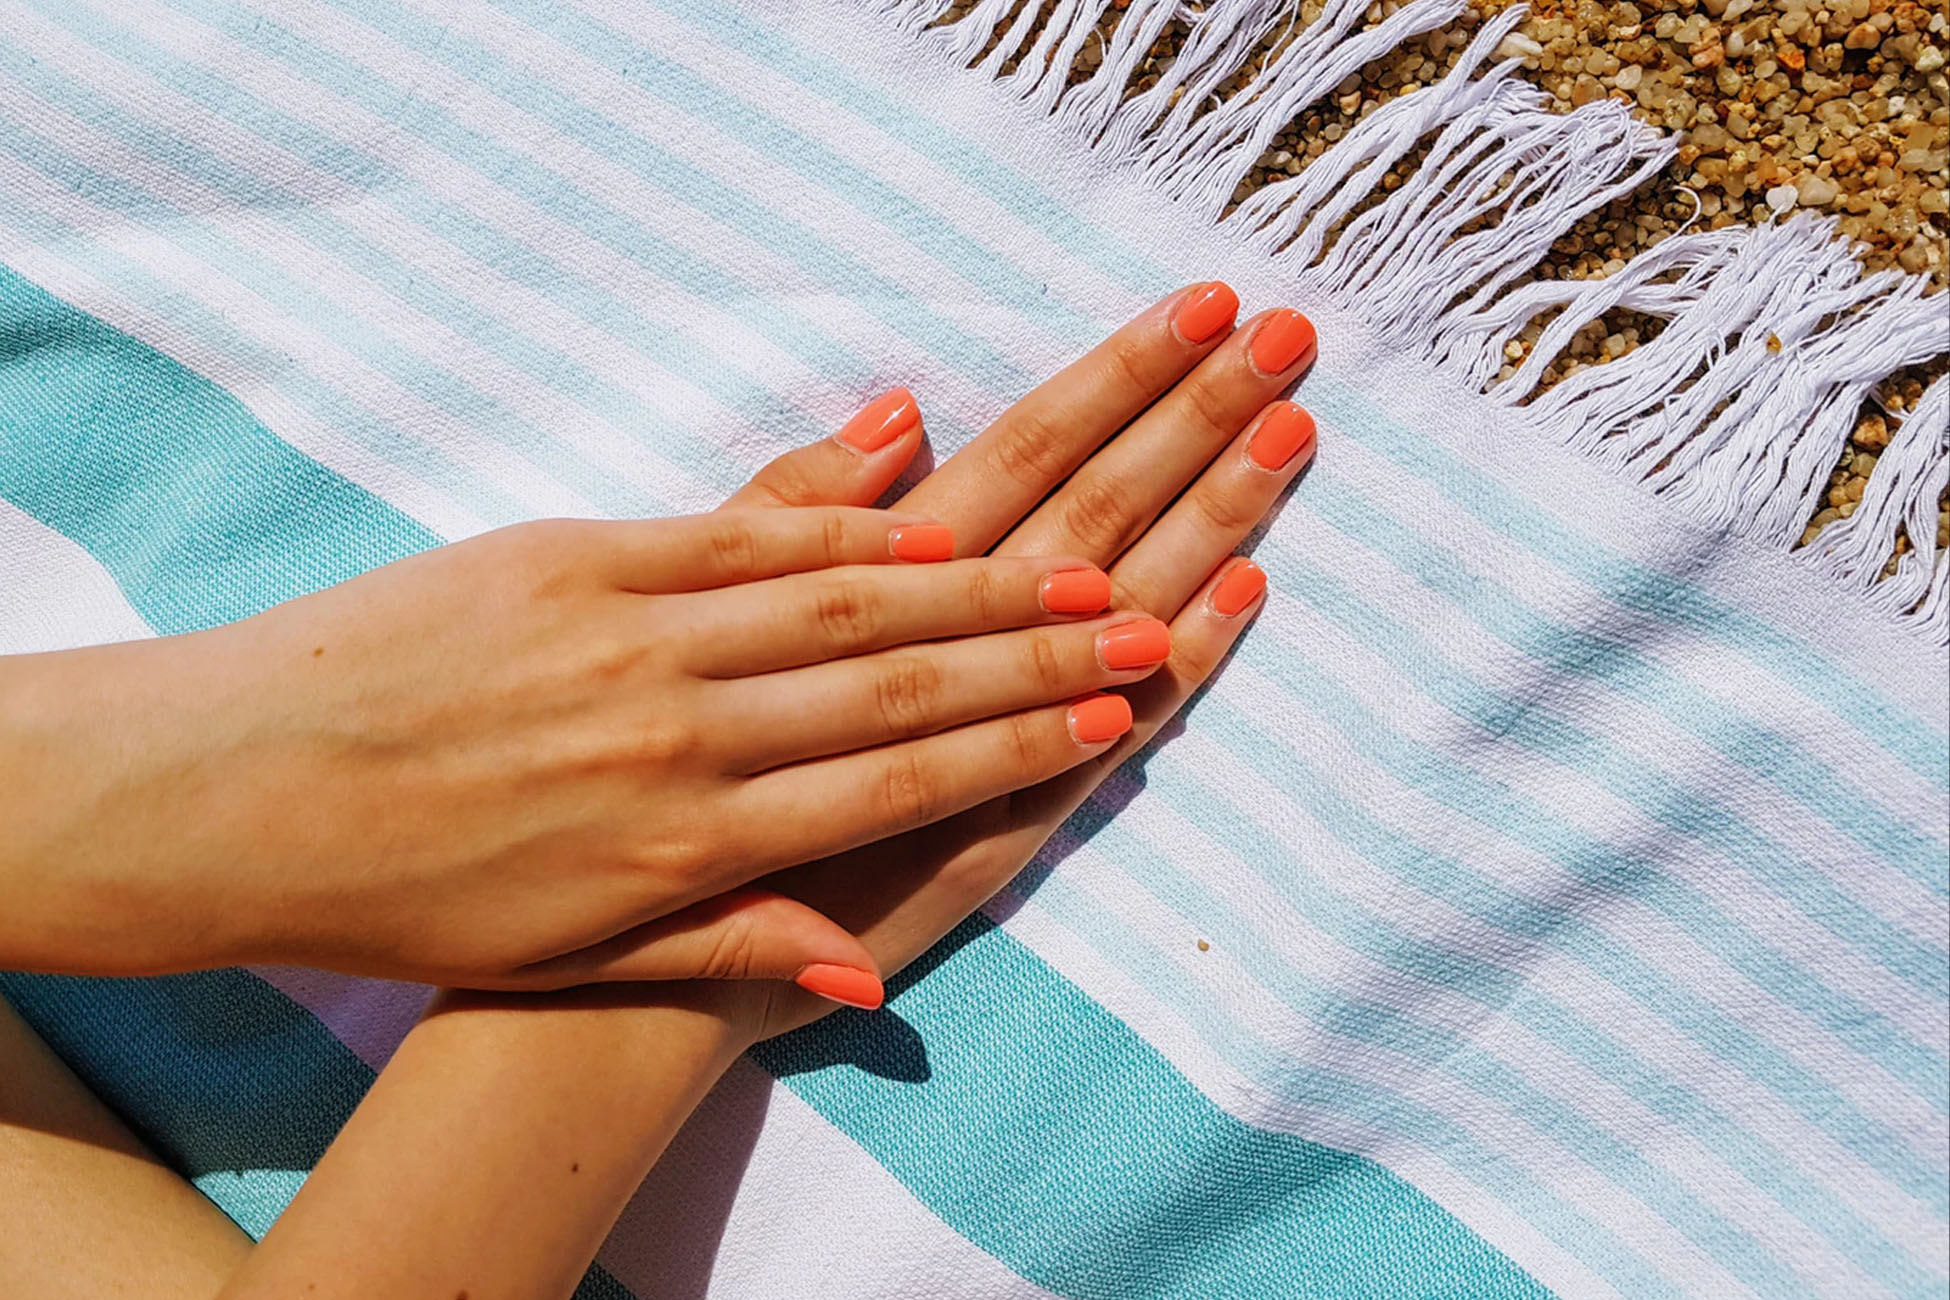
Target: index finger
990,485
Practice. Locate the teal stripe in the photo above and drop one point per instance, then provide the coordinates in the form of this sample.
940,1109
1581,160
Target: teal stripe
1676,806
159,474
1857,702
1499,988
228,1077
1556,920
1580,655
1084,1161
235,1086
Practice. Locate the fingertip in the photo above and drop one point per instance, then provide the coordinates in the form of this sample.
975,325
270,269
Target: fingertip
1284,434
1206,311
880,423
847,985
1241,586
1282,341
921,543
1099,719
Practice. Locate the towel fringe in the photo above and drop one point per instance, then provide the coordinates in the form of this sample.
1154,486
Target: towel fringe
1771,339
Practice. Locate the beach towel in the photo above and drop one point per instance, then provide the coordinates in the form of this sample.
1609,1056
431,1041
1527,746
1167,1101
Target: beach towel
1547,899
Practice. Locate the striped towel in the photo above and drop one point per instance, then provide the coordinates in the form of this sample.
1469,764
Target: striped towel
1549,897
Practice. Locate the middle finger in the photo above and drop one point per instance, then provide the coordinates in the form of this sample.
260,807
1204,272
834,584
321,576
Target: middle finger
1107,504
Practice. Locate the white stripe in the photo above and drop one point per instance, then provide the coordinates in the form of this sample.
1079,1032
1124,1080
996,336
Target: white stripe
53,594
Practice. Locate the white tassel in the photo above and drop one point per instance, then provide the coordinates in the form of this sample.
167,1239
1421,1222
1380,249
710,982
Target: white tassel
1772,337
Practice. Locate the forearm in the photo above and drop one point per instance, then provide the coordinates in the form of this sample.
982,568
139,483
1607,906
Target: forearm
498,1146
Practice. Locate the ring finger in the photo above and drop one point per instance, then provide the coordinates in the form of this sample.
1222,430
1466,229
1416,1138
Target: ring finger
919,690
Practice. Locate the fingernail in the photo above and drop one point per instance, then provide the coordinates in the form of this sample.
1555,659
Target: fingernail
1281,340
1075,591
1134,645
1099,718
1286,431
922,543
881,421
1239,588
1205,311
843,984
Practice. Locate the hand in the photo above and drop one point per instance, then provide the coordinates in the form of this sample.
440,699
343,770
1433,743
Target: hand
1092,463
470,766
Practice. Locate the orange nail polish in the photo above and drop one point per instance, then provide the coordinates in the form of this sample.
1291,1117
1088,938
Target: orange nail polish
922,543
1239,588
1205,311
881,421
1134,645
1281,341
1099,718
1075,591
1286,432
843,984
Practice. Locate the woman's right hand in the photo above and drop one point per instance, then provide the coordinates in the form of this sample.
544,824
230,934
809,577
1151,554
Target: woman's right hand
472,765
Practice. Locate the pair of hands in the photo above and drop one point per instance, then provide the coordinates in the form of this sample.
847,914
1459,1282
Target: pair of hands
790,739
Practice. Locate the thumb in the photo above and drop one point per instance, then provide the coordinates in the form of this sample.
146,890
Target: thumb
743,934
854,467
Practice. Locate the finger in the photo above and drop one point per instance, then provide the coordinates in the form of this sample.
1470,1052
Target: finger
920,690
989,485
900,910
742,934
853,467
1110,501
728,547
1179,552
839,803
763,627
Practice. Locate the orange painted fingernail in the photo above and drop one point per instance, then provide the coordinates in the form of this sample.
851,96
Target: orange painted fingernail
1099,718
922,543
1134,645
843,984
1075,591
1286,432
1205,311
881,421
1239,588
1282,339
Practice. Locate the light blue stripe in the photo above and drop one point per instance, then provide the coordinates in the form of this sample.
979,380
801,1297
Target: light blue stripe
1085,1162
317,225
1499,989
1855,701
1431,1047
691,187
1539,922
375,347
748,121
1632,585
1576,653
224,1074
1922,1069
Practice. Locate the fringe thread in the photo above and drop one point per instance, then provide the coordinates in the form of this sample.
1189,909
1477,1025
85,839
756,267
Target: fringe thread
1773,335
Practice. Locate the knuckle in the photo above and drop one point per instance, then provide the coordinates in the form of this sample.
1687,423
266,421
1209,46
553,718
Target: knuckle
988,599
908,692
734,950
1033,452
849,613
1130,364
1224,511
1097,511
1043,664
910,791
833,539
1209,409
1024,741
733,547
785,482
665,745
